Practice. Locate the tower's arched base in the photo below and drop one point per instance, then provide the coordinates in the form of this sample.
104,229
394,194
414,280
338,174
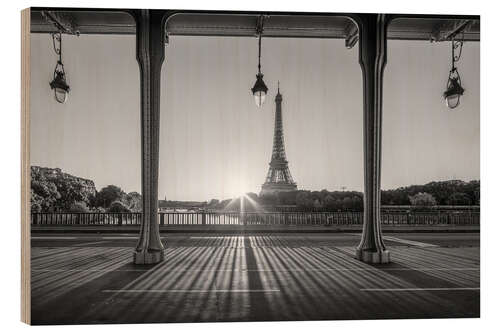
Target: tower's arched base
269,188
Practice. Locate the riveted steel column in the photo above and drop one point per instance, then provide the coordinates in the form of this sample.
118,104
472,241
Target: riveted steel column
372,58
150,55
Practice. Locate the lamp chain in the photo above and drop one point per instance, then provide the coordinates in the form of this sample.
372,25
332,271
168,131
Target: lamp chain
57,44
456,44
456,54
260,37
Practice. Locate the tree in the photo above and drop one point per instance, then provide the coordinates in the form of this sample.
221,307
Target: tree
441,191
459,199
330,203
357,203
269,198
118,207
78,207
287,197
477,197
317,204
233,205
395,197
54,190
36,202
213,203
347,203
422,199
108,195
134,201
253,196
304,200
44,195
223,204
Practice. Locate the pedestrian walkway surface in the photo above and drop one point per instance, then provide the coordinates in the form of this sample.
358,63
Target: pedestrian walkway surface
210,277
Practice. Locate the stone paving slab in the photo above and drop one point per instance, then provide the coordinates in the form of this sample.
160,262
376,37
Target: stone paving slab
242,278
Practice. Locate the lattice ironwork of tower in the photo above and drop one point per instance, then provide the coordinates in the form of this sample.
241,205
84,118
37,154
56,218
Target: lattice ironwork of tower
279,178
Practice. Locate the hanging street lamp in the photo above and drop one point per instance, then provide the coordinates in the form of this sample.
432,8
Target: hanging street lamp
454,89
453,92
58,83
259,89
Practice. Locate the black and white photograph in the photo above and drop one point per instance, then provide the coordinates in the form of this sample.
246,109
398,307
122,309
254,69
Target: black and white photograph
187,166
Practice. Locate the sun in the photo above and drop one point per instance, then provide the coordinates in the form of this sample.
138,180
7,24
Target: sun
239,187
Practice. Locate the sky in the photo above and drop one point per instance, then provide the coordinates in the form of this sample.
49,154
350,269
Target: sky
214,141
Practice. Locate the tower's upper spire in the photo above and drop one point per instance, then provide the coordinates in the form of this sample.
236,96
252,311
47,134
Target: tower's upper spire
278,98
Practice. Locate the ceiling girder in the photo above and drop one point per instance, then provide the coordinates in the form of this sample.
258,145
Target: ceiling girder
279,25
447,31
63,22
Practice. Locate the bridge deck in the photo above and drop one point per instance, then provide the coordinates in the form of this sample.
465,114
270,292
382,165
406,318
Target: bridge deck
211,277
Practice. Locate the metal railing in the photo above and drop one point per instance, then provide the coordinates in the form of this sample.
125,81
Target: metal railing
91,219
256,218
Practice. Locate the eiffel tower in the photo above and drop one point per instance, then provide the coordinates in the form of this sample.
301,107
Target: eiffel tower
279,178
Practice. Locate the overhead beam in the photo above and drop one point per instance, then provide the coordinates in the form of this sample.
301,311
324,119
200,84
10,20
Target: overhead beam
63,22
448,31
242,24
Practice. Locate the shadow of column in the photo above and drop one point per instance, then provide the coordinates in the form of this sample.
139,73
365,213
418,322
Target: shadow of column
74,306
260,308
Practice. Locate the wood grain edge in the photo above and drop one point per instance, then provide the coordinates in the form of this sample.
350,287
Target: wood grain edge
25,168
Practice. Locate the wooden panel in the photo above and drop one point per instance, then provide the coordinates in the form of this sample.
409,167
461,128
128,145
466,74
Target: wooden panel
25,169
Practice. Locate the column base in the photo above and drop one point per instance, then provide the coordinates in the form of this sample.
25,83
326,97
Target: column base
148,258
379,257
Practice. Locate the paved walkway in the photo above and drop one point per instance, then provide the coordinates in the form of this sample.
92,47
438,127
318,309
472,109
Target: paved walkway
210,277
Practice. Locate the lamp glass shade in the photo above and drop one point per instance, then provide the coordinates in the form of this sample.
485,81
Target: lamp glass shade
61,95
260,97
452,101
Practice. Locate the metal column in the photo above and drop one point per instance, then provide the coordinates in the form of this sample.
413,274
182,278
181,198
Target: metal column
372,58
150,54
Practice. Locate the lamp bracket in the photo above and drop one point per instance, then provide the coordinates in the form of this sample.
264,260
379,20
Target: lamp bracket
449,30
259,29
63,22
351,35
